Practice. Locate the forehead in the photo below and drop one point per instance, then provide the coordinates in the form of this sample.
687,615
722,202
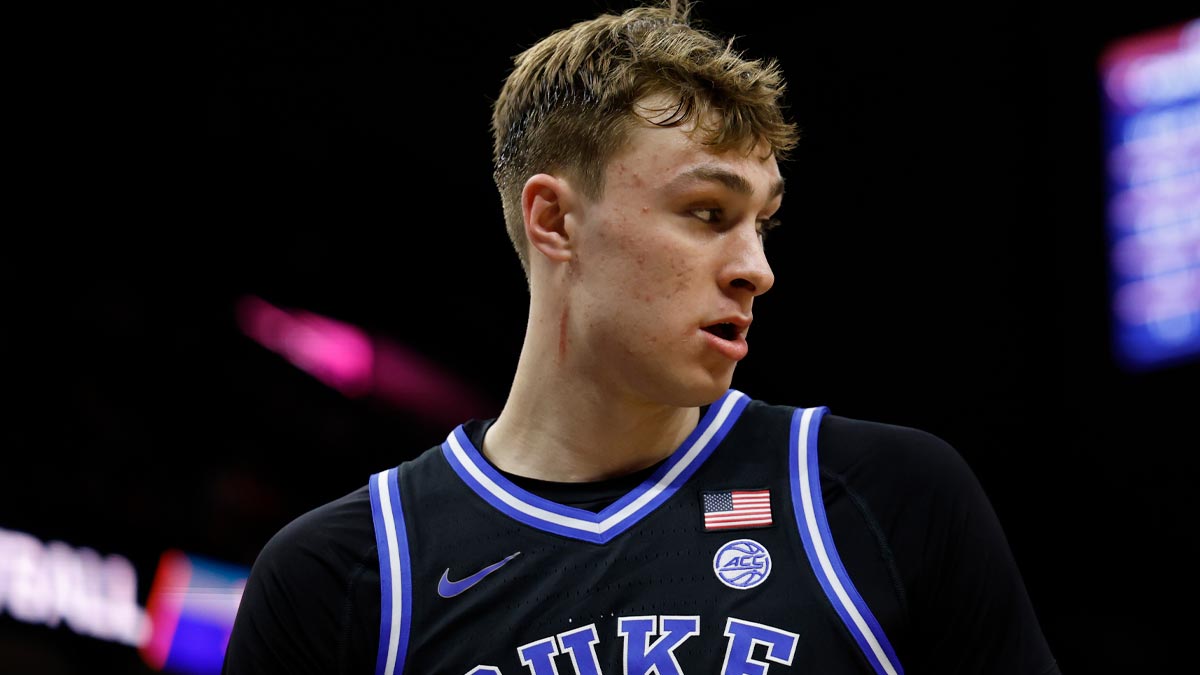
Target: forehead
669,158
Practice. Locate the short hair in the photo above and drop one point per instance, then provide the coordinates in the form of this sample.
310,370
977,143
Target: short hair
568,105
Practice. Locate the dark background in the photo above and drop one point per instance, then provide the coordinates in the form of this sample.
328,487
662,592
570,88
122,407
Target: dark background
942,265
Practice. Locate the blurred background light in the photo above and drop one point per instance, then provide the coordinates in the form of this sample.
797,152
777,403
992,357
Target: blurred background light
357,364
54,583
192,605
1151,84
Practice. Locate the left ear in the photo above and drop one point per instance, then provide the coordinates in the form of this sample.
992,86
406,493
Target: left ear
545,202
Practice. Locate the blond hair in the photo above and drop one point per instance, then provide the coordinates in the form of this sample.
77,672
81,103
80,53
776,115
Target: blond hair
569,103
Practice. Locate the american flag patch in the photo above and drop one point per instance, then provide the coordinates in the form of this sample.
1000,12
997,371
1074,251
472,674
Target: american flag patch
728,509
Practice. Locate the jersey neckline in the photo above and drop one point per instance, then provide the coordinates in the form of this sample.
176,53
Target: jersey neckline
599,527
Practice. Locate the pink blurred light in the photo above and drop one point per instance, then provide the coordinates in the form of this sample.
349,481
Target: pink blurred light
407,380
336,353
357,364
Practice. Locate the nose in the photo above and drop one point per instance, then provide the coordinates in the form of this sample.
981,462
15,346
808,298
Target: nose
747,270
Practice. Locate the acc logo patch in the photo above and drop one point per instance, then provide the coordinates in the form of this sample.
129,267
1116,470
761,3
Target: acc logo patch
742,564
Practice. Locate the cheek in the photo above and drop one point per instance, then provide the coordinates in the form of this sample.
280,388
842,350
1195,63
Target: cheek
660,279
684,269
626,259
667,277
652,269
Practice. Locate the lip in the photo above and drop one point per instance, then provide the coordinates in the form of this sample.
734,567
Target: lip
735,349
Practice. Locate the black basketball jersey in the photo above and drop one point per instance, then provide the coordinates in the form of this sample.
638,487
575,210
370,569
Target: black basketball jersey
722,561
774,539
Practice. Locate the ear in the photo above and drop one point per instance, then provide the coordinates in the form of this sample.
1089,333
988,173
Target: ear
545,202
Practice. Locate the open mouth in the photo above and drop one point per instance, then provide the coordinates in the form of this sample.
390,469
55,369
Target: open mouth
725,331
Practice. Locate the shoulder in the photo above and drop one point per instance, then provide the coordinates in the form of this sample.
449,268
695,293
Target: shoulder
912,485
849,444
428,478
894,466
314,573
430,461
916,531
320,550
888,463
338,528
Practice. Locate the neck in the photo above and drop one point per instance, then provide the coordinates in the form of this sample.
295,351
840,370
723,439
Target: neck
559,426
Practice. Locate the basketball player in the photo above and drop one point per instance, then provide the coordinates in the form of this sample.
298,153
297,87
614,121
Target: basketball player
628,512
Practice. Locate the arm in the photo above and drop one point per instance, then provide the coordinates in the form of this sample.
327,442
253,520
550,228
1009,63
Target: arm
307,606
970,609
924,543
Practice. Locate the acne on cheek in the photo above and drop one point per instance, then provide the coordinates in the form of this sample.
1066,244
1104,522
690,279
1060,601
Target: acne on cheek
635,180
683,274
620,232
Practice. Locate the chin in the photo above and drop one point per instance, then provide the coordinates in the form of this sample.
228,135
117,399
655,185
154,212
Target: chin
708,388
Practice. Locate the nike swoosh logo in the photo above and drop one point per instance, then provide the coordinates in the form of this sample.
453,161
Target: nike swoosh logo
449,589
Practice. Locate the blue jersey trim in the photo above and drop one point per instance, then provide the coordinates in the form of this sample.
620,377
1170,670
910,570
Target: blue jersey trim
391,539
809,506
543,514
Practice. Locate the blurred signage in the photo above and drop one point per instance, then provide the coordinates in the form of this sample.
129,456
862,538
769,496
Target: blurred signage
56,584
1151,86
184,627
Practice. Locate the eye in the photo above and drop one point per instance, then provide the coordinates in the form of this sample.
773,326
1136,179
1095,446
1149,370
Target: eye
712,216
765,225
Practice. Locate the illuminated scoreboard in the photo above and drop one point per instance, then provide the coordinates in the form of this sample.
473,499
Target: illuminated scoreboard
1151,87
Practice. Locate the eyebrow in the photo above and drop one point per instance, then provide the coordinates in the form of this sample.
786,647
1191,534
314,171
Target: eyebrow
729,179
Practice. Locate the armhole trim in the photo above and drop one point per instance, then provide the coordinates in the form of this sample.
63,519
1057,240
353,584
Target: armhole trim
394,572
809,507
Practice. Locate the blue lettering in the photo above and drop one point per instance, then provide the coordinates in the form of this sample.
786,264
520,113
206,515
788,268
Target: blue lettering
744,636
745,562
644,656
539,656
658,657
581,645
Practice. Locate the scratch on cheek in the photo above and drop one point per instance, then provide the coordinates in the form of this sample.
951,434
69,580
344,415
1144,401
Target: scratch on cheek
562,333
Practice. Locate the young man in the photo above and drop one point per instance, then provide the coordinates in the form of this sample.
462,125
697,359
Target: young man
628,512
